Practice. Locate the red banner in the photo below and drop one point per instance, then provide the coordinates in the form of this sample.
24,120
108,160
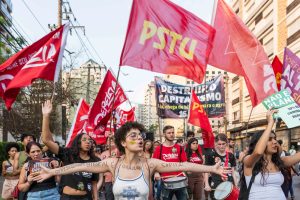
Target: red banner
198,117
42,59
236,50
163,37
123,116
79,122
100,113
277,68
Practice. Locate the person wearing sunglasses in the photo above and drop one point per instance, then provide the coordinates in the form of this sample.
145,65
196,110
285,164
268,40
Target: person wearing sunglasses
131,172
79,185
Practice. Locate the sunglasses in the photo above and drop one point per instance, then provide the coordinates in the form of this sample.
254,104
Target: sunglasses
135,136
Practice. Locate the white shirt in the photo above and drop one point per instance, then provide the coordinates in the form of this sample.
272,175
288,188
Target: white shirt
268,189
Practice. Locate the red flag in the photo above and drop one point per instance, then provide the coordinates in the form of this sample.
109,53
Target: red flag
198,117
277,68
235,49
100,113
79,122
42,60
123,116
163,37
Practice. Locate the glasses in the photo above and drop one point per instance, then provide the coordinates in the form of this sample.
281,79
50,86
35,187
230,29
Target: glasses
86,140
135,136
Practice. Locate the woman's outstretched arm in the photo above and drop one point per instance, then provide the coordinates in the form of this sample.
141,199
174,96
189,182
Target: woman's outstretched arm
93,167
162,166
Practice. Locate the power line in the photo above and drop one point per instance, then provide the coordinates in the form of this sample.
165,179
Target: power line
34,16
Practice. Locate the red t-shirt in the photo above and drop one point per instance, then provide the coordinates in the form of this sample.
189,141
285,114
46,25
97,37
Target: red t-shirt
196,159
170,154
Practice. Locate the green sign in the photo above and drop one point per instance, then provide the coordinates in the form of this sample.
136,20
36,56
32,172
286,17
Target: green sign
278,100
288,110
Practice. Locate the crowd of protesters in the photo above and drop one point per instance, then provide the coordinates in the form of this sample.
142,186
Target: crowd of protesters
131,166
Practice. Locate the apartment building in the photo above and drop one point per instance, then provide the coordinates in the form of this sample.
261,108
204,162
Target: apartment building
276,24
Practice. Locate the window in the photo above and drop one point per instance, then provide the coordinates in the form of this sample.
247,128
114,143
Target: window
293,37
235,79
292,6
235,101
258,18
213,72
236,115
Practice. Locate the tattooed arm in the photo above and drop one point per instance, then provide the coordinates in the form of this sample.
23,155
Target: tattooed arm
93,167
161,166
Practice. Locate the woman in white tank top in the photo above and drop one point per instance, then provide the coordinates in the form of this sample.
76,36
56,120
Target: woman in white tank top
131,172
264,161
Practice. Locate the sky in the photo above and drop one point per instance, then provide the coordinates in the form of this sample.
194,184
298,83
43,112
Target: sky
105,24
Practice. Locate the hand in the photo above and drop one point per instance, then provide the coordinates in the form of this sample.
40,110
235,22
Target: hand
217,169
157,176
47,107
43,174
207,188
270,113
30,178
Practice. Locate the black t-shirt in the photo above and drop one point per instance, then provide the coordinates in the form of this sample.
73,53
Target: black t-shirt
211,158
79,180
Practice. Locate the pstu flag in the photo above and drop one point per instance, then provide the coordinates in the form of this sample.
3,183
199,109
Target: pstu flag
290,78
41,60
79,122
163,37
236,50
198,117
103,106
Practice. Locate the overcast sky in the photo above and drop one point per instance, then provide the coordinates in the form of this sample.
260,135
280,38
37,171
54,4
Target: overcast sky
105,24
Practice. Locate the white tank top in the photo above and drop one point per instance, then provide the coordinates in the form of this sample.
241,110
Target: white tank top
131,189
270,190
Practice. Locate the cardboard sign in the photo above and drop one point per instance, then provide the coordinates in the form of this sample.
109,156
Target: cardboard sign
288,110
35,165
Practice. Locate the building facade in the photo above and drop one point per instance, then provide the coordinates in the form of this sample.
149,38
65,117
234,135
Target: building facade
276,24
83,82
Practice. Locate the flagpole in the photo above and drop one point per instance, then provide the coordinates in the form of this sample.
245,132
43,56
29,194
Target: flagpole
53,93
112,115
214,12
249,120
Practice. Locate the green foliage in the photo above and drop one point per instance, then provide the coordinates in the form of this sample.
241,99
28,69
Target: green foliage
153,128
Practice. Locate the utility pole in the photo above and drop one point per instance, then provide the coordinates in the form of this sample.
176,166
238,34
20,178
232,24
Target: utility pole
59,17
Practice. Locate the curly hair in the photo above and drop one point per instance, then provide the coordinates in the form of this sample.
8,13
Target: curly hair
11,145
120,135
75,149
261,164
189,151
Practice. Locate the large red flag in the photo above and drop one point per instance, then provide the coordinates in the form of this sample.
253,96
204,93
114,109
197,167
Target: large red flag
277,68
198,117
103,106
42,60
236,50
79,122
163,37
